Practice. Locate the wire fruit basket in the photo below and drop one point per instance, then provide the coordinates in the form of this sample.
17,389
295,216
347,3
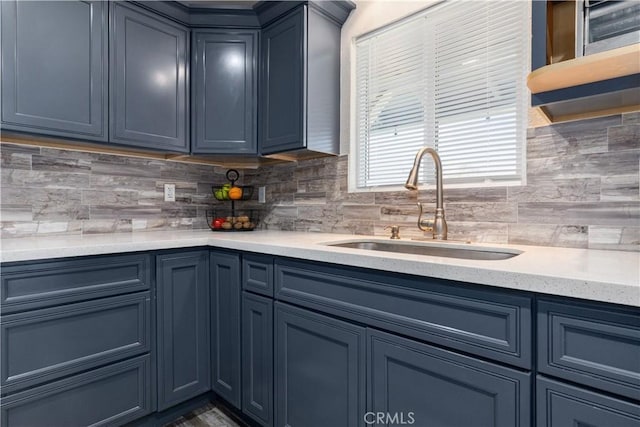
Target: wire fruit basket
229,218
232,220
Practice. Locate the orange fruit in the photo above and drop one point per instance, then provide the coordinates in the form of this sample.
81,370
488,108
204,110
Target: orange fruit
235,193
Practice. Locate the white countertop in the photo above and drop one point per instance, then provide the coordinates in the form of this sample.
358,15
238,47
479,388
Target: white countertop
608,276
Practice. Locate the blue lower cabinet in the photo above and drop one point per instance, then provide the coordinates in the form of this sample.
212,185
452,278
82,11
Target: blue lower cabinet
257,358
225,326
319,370
414,383
560,405
108,396
182,326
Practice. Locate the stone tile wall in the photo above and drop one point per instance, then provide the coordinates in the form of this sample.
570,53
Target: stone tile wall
582,191
47,191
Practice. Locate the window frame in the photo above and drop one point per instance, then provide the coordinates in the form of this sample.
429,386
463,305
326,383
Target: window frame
353,155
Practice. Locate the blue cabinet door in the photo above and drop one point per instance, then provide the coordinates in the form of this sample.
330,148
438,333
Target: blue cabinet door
560,405
319,370
182,326
54,68
428,386
282,107
257,358
224,119
225,326
148,69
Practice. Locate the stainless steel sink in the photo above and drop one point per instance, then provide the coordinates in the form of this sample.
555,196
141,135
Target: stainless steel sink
474,253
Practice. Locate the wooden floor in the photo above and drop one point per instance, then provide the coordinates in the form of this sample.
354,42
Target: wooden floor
207,416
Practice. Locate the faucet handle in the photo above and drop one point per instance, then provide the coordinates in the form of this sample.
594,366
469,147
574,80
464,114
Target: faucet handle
395,231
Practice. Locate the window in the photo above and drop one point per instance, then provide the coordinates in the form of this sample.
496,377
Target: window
452,77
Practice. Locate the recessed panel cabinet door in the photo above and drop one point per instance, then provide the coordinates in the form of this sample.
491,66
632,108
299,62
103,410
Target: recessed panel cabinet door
54,68
224,92
148,78
257,358
183,326
282,98
225,326
427,386
319,370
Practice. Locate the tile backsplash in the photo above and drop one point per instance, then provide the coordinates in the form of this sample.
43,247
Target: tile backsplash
49,191
582,191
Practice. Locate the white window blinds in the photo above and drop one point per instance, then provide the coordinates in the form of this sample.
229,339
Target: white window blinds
452,77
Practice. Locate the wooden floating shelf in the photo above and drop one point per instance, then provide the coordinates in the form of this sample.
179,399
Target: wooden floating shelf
623,61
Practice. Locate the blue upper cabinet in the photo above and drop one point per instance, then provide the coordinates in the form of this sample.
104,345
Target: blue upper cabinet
54,68
282,106
224,109
300,80
148,69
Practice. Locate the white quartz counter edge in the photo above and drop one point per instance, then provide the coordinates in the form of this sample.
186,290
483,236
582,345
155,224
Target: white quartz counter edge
607,276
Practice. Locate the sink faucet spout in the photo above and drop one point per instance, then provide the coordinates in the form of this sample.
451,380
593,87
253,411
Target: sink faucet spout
439,224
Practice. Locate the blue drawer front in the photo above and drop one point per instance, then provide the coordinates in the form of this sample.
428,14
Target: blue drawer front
112,395
46,344
456,315
26,286
257,274
594,345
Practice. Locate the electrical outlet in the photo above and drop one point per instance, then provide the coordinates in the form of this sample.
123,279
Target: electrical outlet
169,192
262,194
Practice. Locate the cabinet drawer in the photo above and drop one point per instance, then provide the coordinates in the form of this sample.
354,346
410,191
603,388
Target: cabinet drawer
257,274
112,395
592,346
429,384
491,324
560,405
44,284
46,344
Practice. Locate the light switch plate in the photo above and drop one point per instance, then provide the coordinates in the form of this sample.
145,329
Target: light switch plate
169,192
262,194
